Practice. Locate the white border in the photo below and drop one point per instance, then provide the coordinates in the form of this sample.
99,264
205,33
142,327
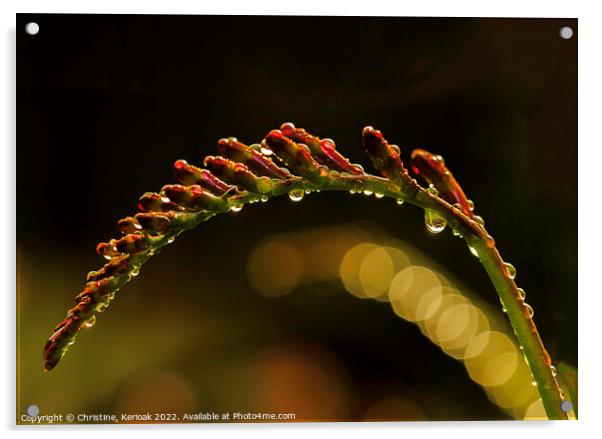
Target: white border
590,214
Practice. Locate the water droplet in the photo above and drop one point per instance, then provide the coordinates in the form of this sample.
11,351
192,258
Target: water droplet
266,151
171,239
473,251
236,209
264,185
308,191
296,194
399,201
90,322
333,173
358,186
102,306
358,167
135,272
439,159
323,171
534,383
504,309
456,233
470,205
327,140
529,310
378,195
479,220
457,206
433,191
352,191
368,192
255,147
107,257
435,223
264,198
396,149
553,370
510,270
521,293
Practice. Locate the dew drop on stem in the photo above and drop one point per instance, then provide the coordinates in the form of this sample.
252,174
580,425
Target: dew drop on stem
521,293
433,191
296,195
236,209
470,205
367,192
510,270
434,222
399,201
528,310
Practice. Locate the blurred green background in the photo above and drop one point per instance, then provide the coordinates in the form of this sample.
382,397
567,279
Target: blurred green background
106,104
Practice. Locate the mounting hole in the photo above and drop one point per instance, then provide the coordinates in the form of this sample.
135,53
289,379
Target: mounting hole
566,33
32,28
566,406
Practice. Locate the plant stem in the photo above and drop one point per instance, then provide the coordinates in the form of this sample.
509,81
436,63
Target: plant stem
476,236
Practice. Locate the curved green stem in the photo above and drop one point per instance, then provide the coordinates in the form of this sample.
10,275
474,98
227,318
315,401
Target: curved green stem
99,293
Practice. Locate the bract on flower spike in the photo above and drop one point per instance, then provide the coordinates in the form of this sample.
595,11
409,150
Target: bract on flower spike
384,157
238,174
324,150
432,168
190,175
257,163
297,158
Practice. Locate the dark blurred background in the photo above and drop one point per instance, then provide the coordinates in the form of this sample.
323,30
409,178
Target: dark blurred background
106,104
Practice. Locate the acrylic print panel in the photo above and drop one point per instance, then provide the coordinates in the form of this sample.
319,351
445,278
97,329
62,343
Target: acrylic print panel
300,219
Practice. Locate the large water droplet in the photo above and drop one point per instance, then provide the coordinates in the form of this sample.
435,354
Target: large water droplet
296,194
510,270
470,205
378,195
435,223
479,220
90,322
255,147
521,293
359,167
236,208
266,151
529,310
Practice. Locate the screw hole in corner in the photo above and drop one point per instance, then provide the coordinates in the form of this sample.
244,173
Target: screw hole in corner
32,28
566,33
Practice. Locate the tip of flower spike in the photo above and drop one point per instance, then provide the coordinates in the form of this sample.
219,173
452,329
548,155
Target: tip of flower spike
275,134
227,141
288,128
180,164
